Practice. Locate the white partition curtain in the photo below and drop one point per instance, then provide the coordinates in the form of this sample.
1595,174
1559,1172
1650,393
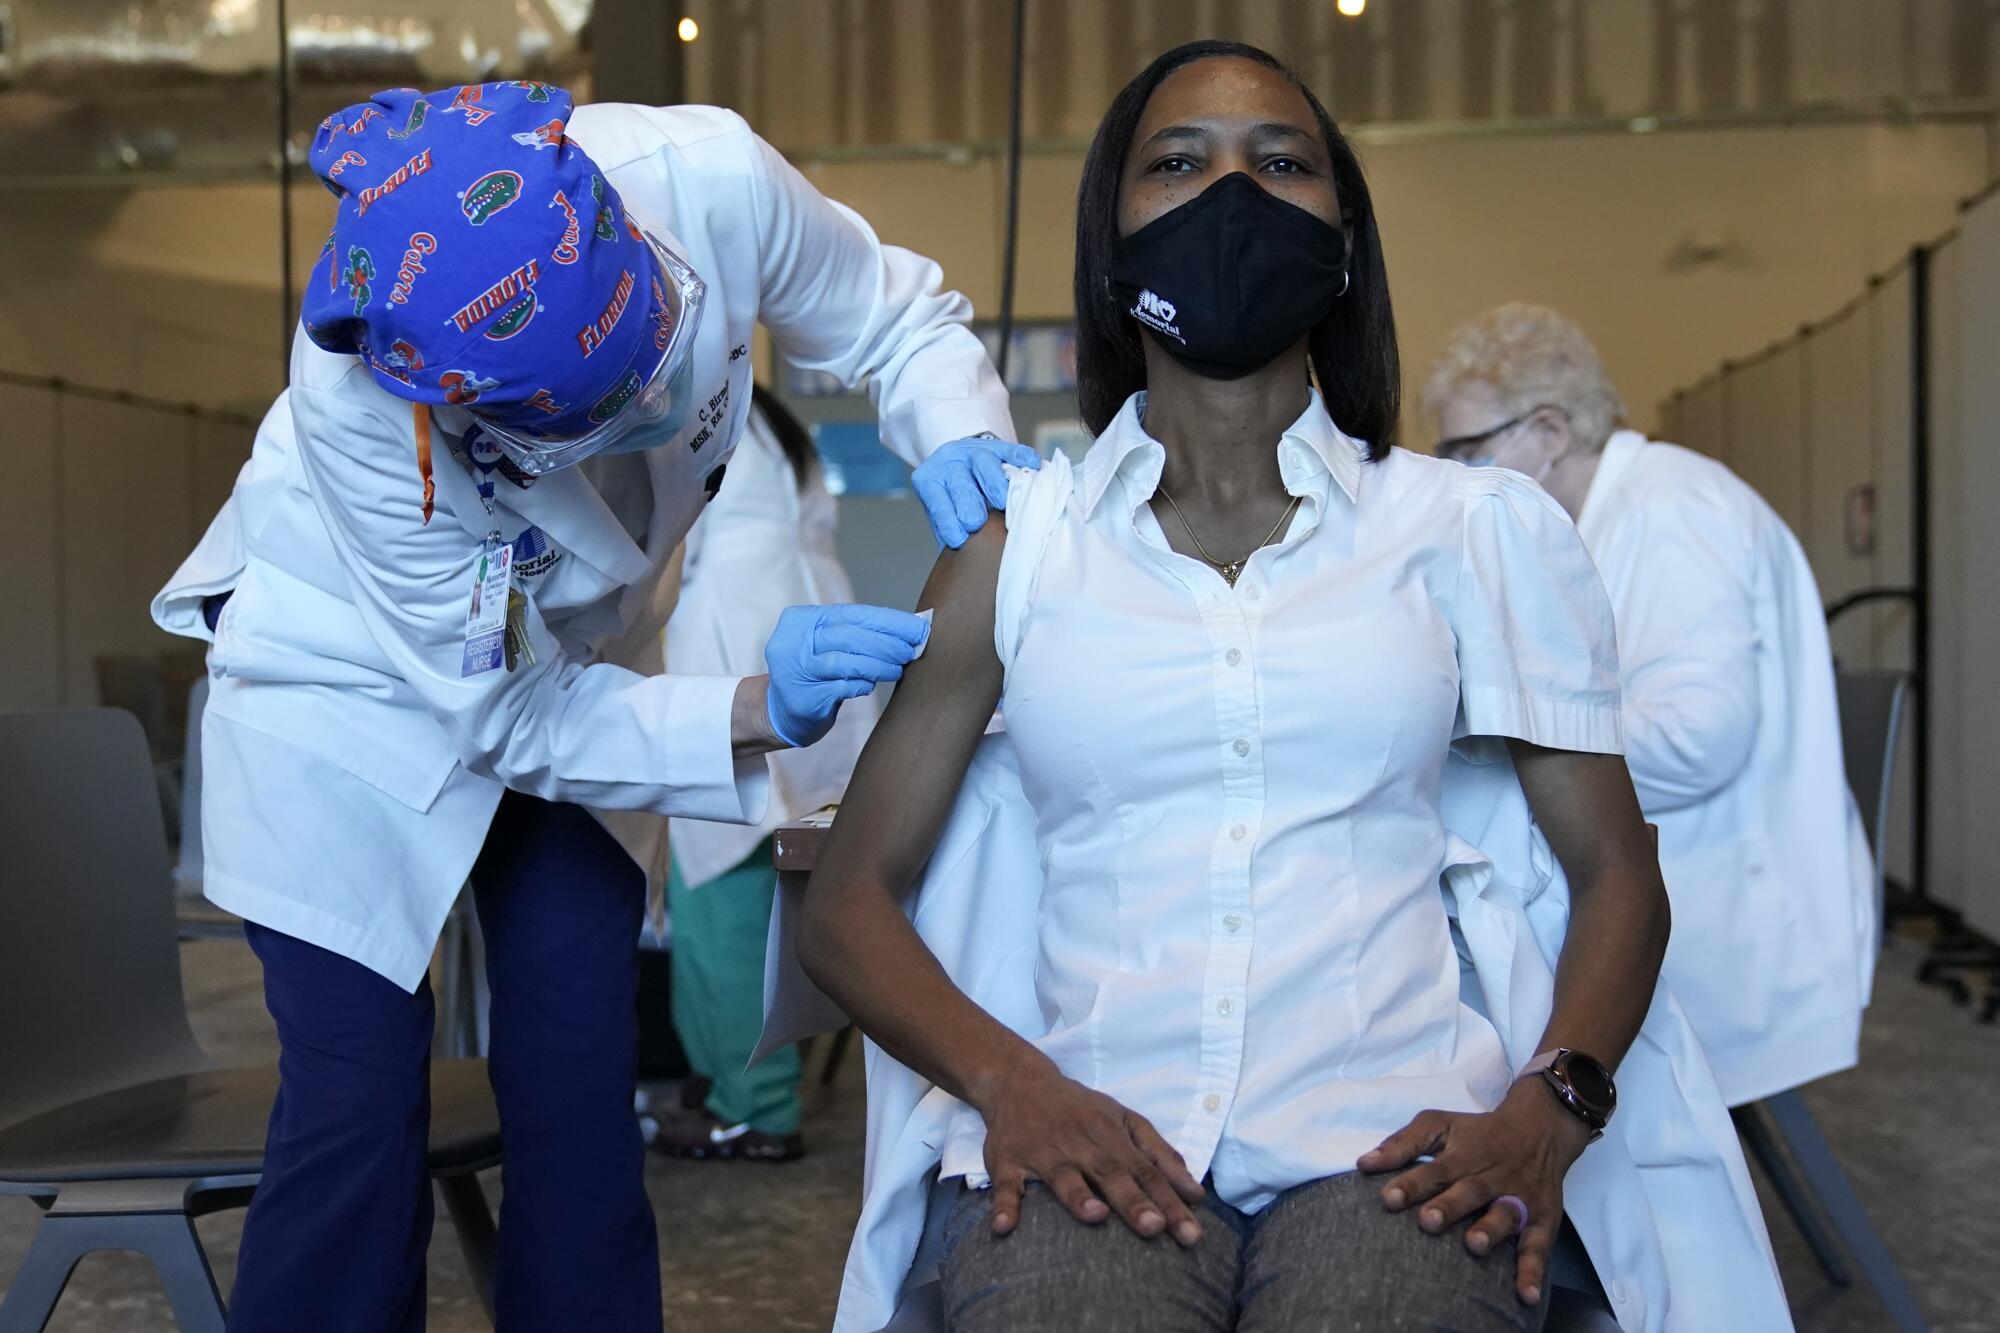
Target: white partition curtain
1964,416
1826,426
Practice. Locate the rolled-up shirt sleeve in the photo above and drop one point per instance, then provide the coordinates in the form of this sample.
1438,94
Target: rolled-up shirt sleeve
591,733
836,299
1537,651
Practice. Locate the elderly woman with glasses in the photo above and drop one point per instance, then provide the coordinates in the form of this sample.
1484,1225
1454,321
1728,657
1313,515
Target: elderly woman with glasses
1731,732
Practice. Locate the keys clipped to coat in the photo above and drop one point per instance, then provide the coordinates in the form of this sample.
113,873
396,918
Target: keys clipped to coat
520,648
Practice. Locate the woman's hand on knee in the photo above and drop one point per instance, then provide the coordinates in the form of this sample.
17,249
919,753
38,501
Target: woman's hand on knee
1095,1156
1505,1168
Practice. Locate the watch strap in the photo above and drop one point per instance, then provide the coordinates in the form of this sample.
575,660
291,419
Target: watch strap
1543,1066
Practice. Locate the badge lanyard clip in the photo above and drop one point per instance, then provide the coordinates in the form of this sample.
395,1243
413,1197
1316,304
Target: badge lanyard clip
496,622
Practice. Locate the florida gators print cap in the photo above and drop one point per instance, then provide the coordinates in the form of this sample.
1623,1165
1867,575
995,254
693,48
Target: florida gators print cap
479,256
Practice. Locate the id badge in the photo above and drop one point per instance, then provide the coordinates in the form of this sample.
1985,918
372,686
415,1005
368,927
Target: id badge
486,615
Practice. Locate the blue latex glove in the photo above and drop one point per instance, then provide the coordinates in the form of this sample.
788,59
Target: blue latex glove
821,656
962,481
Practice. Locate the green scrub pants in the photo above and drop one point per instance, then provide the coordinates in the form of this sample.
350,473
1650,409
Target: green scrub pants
719,929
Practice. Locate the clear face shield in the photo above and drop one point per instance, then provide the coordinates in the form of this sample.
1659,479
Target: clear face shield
643,409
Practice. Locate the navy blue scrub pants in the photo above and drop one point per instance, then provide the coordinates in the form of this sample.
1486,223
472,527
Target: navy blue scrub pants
336,1235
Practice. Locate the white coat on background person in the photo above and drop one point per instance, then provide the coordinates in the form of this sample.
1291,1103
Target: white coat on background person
766,542
1731,727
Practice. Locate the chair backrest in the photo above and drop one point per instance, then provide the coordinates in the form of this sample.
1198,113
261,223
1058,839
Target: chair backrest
90,977
1871,718
187,868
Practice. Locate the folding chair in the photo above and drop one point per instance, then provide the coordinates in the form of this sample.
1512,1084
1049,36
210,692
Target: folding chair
112,1119
1779,1130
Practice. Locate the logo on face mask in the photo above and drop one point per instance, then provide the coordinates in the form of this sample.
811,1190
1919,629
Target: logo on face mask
1157,313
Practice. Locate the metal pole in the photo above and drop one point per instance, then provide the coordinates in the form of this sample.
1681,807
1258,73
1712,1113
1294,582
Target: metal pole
288,313
1920,542
1013,184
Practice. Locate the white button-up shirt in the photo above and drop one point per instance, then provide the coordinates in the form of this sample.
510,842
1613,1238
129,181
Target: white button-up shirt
1241,933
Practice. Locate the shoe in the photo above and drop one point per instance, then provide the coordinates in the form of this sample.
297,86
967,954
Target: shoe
701,1135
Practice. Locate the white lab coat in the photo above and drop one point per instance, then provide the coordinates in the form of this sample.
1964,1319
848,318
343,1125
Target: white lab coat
764,544
1733,738
1663,1203
351,773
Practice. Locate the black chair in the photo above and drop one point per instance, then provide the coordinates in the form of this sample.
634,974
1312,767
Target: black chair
1779,1130
112,1118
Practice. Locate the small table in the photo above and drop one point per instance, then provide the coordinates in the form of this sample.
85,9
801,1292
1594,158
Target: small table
803,1010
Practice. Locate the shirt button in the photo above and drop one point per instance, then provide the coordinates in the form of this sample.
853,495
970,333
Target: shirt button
1211,1103
1225,1006
1239,833
1252,592
1232,923
1233,656
1242,747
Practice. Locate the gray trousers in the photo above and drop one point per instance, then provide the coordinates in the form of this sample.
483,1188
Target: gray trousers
1321,1257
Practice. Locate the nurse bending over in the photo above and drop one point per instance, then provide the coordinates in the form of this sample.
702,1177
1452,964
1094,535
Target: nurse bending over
1232,650
524,366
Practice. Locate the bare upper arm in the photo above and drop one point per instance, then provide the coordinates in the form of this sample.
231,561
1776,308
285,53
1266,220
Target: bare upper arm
909,774
1585,806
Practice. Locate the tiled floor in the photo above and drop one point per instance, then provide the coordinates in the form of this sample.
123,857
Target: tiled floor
757,1249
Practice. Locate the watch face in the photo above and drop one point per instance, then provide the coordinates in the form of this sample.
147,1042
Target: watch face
1590,1081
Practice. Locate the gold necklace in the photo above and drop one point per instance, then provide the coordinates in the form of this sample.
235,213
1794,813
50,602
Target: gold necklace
1230,569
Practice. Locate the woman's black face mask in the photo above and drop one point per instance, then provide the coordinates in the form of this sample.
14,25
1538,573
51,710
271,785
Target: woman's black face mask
1229,280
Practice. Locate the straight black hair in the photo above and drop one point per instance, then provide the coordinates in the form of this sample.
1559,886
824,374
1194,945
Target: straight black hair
792,435
1352,350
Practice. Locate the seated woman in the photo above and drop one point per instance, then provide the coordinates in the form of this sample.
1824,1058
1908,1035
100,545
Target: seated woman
1232,650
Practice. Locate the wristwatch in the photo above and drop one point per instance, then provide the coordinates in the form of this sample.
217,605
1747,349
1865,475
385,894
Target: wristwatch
1582,1084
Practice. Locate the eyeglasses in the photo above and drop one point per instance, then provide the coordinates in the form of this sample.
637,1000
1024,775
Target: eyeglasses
1459,445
